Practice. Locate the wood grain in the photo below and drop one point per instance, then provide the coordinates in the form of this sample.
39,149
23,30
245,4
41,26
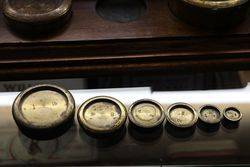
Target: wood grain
90,45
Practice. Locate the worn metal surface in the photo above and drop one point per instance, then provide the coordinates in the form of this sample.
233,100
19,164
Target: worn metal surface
43,107
210,114
146,113
30,15
221,14
232,114
75,147
215,4
102,114
182,115
35,10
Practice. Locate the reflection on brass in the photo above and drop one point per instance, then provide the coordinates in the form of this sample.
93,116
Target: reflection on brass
34,6
210,13
146,113
102,114
215,4
43,107
31,14
232,114
210,114
182,115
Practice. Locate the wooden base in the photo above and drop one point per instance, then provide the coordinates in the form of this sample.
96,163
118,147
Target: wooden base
90,45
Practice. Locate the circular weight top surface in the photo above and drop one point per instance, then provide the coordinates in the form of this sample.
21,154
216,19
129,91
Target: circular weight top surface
215,4
34,6
43,106
146,113
232,114
35,11
210,114
182,115
102,114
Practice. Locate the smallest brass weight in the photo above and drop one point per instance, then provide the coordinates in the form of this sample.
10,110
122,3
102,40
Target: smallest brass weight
146,113
182,115
210,114
232,114
102,114
43,107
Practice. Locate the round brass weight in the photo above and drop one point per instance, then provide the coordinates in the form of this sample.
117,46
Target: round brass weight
182,115
43,107
210,13
102,114
232,114
210,114
35,16
146,113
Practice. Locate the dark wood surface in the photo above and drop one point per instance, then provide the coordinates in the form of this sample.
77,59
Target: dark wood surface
91,45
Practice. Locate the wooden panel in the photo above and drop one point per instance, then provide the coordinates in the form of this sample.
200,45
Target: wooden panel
91,45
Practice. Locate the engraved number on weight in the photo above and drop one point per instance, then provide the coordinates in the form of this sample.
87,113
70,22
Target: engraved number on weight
54,103
34,107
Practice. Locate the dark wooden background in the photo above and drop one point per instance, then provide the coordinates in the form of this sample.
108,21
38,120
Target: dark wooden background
90,45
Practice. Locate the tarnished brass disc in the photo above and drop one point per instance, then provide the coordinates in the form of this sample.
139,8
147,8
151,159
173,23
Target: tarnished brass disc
35,10
211,14
102,114
210,114
215,4
24,15
43,107
232,114
146,113
182,115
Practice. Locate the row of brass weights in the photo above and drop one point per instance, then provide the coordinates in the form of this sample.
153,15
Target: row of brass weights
47,111
35,16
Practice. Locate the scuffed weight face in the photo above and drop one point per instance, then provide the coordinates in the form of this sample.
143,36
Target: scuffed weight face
34,6
102,115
